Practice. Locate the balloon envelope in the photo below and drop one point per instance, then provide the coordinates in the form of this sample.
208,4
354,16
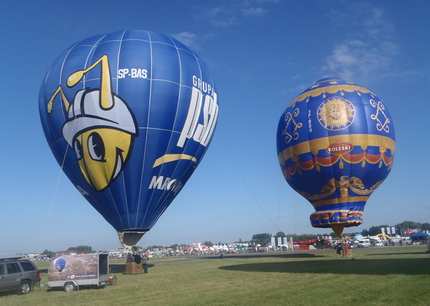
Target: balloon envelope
128,116
335,145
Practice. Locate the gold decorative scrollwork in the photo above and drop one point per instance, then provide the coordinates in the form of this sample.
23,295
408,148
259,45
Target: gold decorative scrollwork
292,126
344,184
331,89
380,116
314,145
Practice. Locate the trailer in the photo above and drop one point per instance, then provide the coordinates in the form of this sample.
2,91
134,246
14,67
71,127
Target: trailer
71,272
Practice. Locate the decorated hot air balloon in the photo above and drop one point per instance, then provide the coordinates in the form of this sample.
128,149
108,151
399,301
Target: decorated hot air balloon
128,116
335,145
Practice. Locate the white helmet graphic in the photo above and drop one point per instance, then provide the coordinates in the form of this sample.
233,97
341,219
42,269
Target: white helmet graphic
86,112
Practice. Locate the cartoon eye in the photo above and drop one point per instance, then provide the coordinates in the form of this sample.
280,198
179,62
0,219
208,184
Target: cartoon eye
78,148
96,147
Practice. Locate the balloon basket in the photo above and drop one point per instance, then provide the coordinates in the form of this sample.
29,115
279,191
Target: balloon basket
133,268
136,264
346,250
342,248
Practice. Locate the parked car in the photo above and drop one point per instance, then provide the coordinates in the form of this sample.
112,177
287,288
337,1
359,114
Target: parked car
17,274
362,243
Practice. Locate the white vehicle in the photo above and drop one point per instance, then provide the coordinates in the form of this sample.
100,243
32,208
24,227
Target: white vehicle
362,243
378,244
376,241
396,239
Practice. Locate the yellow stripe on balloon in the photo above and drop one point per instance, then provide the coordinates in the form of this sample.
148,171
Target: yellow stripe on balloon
331,89
337,211
340,200
362,140
167,158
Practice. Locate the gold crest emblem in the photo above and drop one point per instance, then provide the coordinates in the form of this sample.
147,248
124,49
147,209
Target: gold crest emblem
336,113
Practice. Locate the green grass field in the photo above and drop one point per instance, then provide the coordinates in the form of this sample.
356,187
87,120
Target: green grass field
385,276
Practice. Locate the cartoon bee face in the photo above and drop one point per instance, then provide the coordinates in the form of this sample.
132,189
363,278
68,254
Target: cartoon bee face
101,139
101,153
100,127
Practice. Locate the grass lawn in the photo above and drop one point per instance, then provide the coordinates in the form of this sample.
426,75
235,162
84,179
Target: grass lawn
384,276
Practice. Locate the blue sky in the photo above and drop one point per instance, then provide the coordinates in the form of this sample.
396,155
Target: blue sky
262,53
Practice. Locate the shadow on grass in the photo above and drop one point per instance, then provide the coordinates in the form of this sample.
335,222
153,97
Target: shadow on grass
17,291
5,293
263,255
409,266
398,253
81,288
120,268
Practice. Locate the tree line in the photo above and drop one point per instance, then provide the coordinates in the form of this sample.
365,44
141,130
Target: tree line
80,249
400,228
263,239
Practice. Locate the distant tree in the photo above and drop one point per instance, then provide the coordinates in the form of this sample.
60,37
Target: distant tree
400,228
408,225
262,239
80,249
208,243
375,230
48,253
425,226
365,232
280,234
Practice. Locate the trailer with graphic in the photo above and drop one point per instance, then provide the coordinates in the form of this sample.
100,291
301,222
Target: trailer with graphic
71,272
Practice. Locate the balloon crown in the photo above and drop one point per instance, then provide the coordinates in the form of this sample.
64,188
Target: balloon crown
328,81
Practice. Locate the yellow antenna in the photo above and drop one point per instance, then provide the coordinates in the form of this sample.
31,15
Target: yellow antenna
106,97
66,103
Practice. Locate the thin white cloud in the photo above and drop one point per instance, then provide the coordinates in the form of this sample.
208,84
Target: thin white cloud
368,51
221,17
233,12
253,11
187,38
267,1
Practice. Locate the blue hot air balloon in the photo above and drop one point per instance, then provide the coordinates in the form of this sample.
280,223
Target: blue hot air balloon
335,145
128,116
60,264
